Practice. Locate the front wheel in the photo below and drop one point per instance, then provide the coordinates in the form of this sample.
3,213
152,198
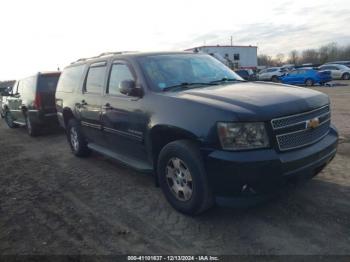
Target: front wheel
76,139
309,82
183,179
9,120
346,76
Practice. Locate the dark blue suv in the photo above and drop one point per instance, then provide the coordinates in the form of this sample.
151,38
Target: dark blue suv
204,132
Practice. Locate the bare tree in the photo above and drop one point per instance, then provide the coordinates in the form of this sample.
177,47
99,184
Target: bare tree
293,57
324,54
280,59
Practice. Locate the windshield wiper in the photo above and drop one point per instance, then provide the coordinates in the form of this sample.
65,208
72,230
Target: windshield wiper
187,85
225,79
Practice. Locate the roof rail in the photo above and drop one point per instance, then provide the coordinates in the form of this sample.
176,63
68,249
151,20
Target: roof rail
102,55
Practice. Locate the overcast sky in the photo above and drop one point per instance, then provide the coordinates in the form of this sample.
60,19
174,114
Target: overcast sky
42,35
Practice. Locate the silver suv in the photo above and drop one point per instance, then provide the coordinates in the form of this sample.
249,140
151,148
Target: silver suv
337,71
270,74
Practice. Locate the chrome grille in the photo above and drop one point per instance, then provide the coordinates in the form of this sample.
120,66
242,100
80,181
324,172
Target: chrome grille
283,122
292,131
302,138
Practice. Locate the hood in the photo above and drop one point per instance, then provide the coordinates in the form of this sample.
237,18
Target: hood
257,100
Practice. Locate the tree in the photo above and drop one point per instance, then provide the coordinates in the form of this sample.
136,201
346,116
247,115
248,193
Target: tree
264,60
293,57
280,59
310,56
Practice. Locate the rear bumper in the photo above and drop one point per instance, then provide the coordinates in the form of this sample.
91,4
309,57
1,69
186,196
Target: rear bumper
267,170
43,118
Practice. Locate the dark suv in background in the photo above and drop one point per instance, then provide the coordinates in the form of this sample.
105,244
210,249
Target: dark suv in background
31,102
203,131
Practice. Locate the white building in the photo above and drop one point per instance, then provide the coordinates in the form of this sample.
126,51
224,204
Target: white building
232,56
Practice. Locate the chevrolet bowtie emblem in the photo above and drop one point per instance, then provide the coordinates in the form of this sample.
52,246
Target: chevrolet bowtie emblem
312,123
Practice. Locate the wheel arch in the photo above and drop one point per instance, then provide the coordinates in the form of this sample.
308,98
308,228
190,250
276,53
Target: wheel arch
67,114
161,135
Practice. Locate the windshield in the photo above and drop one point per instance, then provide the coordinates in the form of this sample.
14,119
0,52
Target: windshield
164,71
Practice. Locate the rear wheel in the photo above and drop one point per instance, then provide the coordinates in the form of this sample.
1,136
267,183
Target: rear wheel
9,120
309,82
32,129
346,76
274,79
183,179
76,139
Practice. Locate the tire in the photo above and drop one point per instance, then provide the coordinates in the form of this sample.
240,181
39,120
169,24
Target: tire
309,82
274,79
32,129
345,76
180,168
76,139
9,120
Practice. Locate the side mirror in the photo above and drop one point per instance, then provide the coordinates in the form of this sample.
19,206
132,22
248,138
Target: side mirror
128,87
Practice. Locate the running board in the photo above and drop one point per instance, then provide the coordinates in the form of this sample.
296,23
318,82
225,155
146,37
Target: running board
19,123
133,163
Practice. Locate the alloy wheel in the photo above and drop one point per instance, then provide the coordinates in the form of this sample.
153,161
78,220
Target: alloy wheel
179,179
74,139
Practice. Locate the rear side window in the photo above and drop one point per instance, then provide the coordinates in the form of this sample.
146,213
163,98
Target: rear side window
27,86
119,73
70,79
95,79
48,83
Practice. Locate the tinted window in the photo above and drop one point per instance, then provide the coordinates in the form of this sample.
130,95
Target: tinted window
119,73
70,79
48,83
95,79
293,72
236,56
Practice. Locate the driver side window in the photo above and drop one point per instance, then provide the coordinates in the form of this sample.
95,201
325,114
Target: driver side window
119,73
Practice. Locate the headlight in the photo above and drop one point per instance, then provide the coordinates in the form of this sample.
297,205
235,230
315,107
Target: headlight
236,136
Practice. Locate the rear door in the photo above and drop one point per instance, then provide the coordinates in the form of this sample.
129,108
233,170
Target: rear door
89,107
46,89
337,72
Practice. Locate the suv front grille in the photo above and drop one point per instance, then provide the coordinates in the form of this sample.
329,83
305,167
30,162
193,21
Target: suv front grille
283,122
293,131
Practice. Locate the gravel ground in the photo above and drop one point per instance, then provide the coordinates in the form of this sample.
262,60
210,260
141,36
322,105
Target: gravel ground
54,203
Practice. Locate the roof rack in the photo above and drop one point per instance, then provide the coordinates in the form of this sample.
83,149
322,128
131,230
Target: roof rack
102,55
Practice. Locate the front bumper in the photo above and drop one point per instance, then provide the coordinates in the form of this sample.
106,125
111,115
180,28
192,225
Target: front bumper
266,170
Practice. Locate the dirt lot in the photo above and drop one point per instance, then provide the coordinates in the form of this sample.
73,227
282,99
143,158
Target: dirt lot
54,203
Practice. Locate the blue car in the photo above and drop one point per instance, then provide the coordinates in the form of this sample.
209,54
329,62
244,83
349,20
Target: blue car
307,77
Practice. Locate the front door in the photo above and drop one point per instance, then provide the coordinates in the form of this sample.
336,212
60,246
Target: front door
124,122
89,107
